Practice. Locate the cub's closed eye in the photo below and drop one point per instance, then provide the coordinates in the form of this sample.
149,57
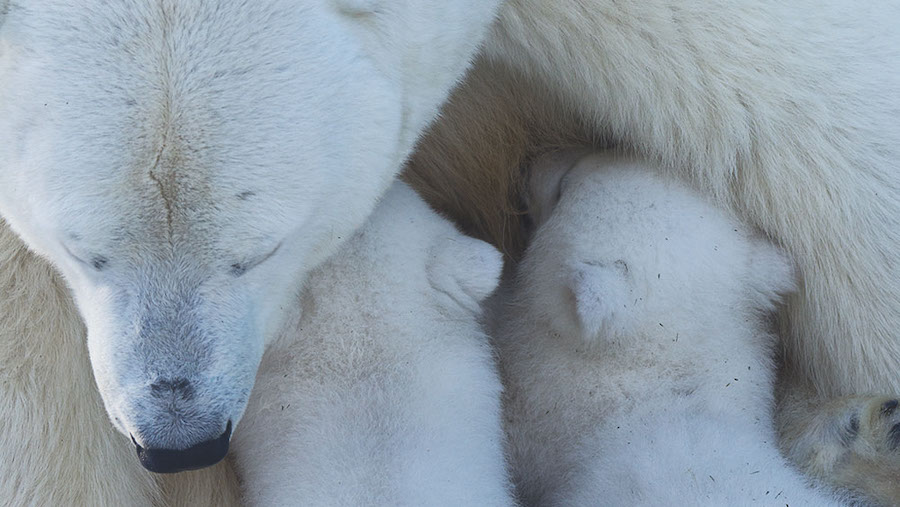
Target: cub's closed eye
239,268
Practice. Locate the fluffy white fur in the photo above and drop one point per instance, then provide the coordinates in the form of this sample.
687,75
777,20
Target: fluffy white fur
634,347
153,151
786,111
383,390
218,152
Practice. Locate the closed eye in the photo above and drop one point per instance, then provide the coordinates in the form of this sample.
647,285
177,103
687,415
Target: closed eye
98,262
239,268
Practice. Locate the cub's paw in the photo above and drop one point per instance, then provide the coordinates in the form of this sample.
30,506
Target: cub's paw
850,443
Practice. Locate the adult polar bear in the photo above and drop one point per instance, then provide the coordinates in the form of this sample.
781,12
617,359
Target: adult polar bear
157,151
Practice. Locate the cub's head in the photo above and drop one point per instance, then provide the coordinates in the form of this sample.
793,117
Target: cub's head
410,265
618,248
184,164
412,259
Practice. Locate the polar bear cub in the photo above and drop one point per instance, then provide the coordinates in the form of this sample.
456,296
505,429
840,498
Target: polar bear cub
383,389
634,346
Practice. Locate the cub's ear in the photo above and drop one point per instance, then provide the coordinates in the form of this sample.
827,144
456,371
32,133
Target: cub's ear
603,298
772,273
465,269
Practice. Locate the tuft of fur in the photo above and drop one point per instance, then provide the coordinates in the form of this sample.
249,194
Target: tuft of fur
634,348
383,389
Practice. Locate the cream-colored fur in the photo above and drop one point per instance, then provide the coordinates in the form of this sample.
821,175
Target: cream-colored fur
635,347
785,111
383,389
185,164
850,442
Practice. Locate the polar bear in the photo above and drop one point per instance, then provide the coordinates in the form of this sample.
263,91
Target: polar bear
634,346
383,389
184,164
186,216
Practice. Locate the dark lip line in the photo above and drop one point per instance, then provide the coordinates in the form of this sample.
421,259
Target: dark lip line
172,461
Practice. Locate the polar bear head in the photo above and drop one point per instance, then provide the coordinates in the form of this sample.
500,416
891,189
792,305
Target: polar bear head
618,249
184,164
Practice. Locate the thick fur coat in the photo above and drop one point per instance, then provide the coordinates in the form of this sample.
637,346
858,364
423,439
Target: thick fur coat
635,347
382,389
162,151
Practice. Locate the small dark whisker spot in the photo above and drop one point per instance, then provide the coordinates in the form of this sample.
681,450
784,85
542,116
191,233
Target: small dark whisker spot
246,195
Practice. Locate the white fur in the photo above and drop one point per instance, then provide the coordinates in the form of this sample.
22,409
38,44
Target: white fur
786,111
56,444
128,131
384,390
634,349
178,144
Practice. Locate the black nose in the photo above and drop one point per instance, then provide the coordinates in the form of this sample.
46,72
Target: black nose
202,455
